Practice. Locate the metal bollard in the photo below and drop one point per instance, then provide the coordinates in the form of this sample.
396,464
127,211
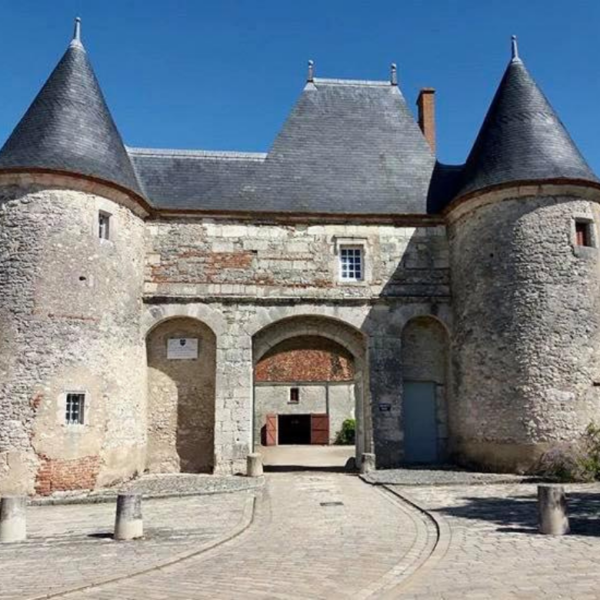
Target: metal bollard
552,509
367,462
13,527
128,522
254,465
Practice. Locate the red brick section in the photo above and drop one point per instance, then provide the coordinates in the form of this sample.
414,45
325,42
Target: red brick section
306,358
62,475
426,105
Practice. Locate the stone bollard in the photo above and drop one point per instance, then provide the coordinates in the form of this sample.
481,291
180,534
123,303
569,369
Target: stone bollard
12,519
128,523
367,463
552,509
254,466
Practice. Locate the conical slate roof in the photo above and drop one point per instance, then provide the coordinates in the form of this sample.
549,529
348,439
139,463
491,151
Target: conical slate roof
68,127
522,138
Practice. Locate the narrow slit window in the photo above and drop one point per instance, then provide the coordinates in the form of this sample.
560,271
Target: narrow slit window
351,263
583,233
103,226
294,395
75,409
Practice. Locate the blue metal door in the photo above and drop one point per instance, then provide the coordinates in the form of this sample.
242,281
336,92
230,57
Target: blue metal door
418,416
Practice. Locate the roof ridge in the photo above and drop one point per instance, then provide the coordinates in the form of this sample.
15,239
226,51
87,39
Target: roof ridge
365,82
210,154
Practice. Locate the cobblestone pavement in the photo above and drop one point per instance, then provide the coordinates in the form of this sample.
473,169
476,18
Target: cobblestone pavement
490,548
440,476
71,546
315,535
159,486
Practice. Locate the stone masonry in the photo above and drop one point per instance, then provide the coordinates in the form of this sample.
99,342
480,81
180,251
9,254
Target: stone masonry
465,297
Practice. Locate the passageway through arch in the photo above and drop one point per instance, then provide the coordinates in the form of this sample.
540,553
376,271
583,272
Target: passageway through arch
309,393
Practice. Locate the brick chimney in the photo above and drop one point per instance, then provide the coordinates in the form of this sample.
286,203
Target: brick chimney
426,104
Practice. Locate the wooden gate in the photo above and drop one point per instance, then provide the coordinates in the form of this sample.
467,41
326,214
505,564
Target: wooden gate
319,429
271,430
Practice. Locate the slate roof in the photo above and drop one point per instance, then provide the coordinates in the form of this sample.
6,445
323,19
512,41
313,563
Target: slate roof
521,138
68,127
180,179
347,147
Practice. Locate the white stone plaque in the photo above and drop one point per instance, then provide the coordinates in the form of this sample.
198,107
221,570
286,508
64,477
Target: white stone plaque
182,348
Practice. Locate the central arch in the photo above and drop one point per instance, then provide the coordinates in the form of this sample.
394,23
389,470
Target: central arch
309,377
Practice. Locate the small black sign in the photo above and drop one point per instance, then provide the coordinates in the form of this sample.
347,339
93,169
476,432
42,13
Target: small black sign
385,407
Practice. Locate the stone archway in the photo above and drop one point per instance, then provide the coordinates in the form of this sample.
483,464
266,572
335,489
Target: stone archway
323,359
425,368
181,358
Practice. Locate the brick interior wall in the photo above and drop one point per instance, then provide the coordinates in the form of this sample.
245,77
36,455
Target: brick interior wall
306,358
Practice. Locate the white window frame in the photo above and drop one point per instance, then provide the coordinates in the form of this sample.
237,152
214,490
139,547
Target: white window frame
356,263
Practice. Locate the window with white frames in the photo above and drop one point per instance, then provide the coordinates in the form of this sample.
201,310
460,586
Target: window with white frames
103,225
351,263
75,407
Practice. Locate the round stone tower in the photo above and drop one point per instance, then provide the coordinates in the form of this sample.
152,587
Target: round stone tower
72,359
523,233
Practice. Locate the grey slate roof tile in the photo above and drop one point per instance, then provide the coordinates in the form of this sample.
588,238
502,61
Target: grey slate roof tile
68,127
184,180
521,138
347,147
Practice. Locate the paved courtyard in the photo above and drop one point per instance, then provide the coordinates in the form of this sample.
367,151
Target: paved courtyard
313,535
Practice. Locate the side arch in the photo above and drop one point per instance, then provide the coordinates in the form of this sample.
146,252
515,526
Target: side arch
425,376
181,397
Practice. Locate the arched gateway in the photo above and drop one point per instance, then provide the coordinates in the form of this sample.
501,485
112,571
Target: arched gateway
309,378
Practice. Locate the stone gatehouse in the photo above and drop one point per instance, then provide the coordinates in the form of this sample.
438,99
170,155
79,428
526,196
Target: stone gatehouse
159,308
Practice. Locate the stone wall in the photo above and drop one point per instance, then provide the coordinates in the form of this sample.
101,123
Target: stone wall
70,311
181,400
241,278
335,399
526,332
201,257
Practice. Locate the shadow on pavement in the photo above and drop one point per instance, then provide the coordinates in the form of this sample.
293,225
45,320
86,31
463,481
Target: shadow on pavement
518,514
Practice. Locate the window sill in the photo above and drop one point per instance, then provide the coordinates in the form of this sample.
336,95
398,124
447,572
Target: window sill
588,252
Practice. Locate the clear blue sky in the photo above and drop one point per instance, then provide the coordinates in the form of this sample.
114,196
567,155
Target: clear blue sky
223,74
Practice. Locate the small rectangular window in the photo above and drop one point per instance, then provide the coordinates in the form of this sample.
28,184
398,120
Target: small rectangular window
103,226
351,263
74,409
583,233
294,395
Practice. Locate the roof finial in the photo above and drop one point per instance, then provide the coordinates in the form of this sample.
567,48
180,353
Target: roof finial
514,47
76,41
311,71
393,74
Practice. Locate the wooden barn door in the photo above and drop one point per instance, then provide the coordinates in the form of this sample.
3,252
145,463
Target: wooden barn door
319,429
271,430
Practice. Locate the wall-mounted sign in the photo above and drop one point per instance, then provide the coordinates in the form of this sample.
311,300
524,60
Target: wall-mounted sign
385,407
182,348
